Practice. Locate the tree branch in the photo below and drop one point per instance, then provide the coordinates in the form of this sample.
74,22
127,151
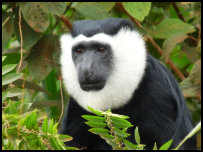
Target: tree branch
178,11
151,40
194,41
66,22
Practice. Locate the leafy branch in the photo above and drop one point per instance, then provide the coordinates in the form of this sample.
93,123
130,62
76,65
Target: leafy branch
25,130
113,128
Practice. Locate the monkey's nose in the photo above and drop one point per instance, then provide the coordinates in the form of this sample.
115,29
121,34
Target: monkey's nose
86,77
87,74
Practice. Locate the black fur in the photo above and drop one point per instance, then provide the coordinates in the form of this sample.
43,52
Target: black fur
109,26
157,107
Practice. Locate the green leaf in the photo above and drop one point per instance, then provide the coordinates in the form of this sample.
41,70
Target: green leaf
26,107
40,59
7,68
71,148
65,138
94,10
99,131
51,124
166,145
129,145
96,112
31,121
190,52
155,146
45,125
60,144
120,123
12,131
110,140
4,96
170,43
96,124
120,133
138,10
13,92
179,58
16,105
34,15
94,118
55,128
119,116
189,90
137,136
54,143
195,73
3,58
12,108
10,78
169,27
56,8
107,137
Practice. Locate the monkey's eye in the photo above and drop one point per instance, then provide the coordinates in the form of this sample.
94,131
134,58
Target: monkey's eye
101,50
79,51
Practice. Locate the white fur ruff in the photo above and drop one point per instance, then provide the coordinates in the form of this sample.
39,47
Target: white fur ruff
129,65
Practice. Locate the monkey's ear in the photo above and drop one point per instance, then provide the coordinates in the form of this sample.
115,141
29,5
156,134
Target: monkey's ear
66,41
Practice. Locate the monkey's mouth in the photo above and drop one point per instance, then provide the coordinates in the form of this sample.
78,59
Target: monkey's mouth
93,86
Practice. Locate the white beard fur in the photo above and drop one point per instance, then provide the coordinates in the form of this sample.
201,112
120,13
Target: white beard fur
129,59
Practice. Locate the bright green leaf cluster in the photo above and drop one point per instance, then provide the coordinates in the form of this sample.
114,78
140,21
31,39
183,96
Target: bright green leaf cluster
112,128
25,132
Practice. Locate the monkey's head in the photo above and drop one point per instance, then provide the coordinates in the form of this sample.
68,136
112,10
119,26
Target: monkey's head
102,62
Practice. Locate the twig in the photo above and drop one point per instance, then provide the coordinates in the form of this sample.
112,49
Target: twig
66,22
62,103
23,95
5,21
178,11
21,44
175,69
194,41
150,39
192,38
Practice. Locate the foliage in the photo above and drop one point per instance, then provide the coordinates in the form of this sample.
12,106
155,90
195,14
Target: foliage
113,128
27,130
31,30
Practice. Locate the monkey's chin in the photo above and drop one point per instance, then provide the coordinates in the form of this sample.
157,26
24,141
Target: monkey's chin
92,87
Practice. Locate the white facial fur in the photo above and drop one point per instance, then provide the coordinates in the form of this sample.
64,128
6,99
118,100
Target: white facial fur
129,64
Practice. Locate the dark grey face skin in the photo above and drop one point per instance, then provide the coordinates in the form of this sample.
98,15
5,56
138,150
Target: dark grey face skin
93,62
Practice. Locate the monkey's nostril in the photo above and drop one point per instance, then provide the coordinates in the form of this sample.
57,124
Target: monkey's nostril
88,76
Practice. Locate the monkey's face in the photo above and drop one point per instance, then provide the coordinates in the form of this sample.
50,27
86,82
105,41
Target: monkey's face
101,70
93,63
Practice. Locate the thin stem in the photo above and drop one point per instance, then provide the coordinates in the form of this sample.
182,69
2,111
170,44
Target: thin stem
21,44
62,103
5,21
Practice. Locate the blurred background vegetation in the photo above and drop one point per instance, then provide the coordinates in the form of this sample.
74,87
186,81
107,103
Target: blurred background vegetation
31,30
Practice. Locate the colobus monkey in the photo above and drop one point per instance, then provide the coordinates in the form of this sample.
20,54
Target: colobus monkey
105,65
